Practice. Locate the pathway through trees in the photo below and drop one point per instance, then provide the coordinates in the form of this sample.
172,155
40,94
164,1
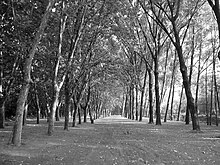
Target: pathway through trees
113,140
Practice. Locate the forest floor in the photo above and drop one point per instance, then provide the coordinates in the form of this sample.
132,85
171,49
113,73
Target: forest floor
112,141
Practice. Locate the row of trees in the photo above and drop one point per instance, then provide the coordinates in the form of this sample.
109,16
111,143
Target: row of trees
95,56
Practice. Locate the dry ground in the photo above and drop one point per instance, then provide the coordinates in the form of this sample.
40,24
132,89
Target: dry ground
113,140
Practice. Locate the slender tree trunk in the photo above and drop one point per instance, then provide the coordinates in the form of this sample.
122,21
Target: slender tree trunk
17,129
168,100
216,99
180,103
142,96
87,103
151,117
130,103
84,114
206,95
191,70
38,107
216,109
90,116
157,94
124,104
79,115
136,98
162,93
67,103
171,84
210,112
2,112
74,113
171,108
2,104
198,77
132,112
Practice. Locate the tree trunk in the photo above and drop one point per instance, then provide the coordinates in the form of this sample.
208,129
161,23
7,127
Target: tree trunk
157,94
151,117
210,112
132,103
126,105
79,115
171,85
51,118
215,87
216,8
2,100
162,93
171,108
142,96
58,112
186,83
136,100
2,113
74,113
38,107
198,77
168,100
190,99
90,116
187,120
206,95
25,114
56,85
17,129
180,103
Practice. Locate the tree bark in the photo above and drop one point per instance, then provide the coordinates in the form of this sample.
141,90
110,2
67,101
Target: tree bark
157,94
25,114
2,104
171,108
180,103
151,117
210,112
171,84
56,85
142,95
136,101
17,129
198,77
190,99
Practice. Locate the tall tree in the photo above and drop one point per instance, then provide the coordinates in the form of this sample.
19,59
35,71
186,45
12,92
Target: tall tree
17,129
172,14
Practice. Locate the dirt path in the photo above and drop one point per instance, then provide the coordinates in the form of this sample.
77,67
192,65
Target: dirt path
113,141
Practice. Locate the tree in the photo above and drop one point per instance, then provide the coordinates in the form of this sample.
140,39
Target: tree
17,129
173,16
